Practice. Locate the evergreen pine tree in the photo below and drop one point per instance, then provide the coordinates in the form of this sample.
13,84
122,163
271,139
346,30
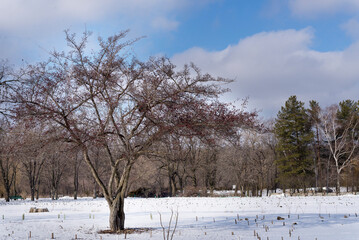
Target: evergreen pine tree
348,114
313,113
293,131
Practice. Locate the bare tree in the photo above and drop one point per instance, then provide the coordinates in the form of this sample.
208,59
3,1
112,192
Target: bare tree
340,138
76,164
210,166
8,163
30,152
57,155
123,106
170,154
269,141
194,161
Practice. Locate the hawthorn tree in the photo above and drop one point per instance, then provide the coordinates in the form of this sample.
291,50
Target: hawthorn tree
121,105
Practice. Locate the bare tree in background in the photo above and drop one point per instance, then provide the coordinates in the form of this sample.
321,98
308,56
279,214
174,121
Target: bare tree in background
30,152
76,164
172,154
269,141
194,161
121,105
340,138
57,156
8,161
210,166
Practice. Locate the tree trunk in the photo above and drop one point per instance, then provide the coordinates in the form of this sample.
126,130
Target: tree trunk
117,214
352,173
95,190
338,184
76,184
327,177
32,189
32,193
316,174
194,180
236,190
171,183
37,193
14,184
180,181
76,176
173,187
319,169
7,194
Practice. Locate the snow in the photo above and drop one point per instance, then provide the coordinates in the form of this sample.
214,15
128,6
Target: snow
319,217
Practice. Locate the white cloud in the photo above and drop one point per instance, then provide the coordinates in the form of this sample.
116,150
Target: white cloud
270,66
352,28
314,7
39,24
18,14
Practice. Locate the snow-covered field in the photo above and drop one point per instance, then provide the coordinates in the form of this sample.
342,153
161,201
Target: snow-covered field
199,218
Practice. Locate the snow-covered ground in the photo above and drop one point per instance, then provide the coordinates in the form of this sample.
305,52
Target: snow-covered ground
313,218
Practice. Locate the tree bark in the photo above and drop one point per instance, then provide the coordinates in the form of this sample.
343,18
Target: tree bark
95,189
76,175
117,215
76,183
38,190
180,181
173,186
32,193
7,194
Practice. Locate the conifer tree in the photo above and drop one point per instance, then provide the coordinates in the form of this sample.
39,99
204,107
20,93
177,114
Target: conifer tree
347,114
293,131
313,113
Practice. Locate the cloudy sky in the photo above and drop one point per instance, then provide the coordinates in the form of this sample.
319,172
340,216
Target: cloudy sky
271,48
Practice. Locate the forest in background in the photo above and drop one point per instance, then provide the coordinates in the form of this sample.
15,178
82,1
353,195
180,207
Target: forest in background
251,160
221,147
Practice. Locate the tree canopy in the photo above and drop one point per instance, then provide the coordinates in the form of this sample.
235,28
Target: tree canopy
293,130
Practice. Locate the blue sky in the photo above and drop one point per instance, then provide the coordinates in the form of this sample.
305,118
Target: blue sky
271,48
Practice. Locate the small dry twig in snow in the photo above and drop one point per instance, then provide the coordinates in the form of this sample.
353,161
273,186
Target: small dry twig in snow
168,230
